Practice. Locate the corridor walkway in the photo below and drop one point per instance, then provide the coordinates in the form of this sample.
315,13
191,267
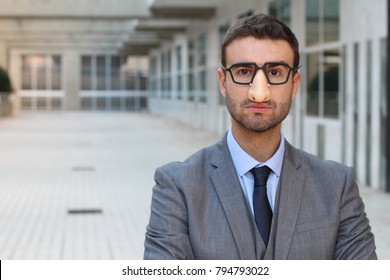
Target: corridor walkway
78,185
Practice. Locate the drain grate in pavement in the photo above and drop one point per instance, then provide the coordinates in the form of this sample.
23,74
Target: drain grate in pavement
83,168
84,211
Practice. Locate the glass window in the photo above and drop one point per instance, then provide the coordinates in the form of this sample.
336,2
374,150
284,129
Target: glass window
203,85
323,84
191,55
313,84
331,20
383,116
41,72
40,63
153,76
86,73
130,81
101,72
280,9
26,73
168,74
169,61
222,31
143,81
331,83
56,65
312,21
115,73
162,64
356,63
369,112
191,86
178,58
191,75
343,93
179,86
202,50
153,66
322,21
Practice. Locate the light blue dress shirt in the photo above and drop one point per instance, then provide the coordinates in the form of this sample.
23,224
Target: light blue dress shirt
244,163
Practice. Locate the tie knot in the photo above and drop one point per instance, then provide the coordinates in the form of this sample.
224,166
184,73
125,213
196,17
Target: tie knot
260,174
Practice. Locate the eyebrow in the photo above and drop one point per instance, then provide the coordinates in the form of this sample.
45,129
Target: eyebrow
268,62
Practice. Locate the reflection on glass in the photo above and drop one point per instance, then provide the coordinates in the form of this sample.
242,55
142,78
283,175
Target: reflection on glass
190,55
312,21
26,73
39,62
169,61
56,72
143,80
41,72
322,21
313,84
331,20
130,81
101,72
203,85
179,86
280,9
86,73
115,73
178,58
191,86
202,49
331,83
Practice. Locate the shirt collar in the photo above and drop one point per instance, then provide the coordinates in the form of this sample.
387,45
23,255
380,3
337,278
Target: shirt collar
244,162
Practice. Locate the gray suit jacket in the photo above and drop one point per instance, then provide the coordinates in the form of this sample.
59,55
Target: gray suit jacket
199,211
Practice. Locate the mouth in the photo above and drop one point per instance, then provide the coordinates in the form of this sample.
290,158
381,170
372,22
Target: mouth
258,107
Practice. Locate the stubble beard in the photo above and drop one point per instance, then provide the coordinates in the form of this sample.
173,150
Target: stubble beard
258,122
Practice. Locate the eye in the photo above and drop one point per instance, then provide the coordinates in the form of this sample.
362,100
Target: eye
274,72
243,70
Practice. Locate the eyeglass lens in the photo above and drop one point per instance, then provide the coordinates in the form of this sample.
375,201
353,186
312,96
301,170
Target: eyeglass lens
275,73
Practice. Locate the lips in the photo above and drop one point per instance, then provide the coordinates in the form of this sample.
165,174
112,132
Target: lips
258,107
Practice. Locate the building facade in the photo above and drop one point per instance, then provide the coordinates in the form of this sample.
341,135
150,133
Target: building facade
164,54
340,112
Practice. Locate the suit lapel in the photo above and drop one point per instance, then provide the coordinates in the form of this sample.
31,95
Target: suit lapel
227,186
290,190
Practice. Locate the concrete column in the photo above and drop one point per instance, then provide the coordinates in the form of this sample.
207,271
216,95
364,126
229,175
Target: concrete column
3,56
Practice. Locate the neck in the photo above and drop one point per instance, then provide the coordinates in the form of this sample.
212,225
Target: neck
259,145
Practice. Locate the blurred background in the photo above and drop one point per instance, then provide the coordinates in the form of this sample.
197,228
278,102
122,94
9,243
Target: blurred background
66,64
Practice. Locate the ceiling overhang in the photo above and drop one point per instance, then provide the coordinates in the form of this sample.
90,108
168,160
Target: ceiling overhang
137,48
182,12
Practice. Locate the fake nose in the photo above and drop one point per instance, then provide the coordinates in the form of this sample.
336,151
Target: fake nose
259,88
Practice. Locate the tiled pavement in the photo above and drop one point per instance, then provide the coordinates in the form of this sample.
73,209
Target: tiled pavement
78,185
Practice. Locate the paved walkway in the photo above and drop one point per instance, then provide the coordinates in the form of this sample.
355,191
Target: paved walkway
78,185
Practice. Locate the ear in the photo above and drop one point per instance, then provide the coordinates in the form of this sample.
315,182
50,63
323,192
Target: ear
222,81
295,84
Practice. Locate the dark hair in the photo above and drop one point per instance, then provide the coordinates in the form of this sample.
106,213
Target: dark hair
260,26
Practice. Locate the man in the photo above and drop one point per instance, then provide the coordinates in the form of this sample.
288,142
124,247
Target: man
208,206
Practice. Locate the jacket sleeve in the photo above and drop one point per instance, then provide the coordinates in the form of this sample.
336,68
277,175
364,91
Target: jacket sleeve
167,232
355,239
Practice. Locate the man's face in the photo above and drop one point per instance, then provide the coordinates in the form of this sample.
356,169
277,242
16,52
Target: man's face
258,107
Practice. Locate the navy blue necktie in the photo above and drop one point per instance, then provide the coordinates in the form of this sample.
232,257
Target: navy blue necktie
261,207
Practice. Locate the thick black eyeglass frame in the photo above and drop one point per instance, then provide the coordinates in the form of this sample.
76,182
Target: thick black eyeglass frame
257,68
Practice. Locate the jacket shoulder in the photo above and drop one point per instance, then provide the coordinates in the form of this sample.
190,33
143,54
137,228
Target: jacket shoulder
193,168
314,162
